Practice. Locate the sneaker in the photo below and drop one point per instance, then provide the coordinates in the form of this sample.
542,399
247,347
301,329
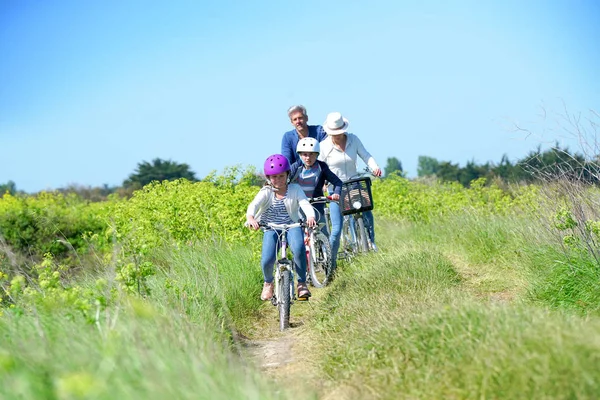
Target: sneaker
303,292
267,291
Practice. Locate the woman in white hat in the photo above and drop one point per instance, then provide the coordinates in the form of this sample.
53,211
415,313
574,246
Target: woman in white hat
340,150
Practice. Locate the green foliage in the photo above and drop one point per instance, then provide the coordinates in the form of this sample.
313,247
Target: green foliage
45,290
50,223
159,170
178,213
398,197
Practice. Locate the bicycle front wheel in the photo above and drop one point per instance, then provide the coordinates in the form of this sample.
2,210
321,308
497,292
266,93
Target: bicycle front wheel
348,238
361,235
285,299
320,254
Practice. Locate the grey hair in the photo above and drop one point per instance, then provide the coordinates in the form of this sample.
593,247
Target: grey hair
294,109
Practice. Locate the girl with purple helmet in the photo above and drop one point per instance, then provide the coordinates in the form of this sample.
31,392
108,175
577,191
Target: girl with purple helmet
280,202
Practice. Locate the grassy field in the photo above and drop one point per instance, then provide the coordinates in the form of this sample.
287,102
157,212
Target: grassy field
469,307
465,313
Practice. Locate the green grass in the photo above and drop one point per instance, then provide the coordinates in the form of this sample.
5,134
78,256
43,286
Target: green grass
175,344
423,318
145,356
470,307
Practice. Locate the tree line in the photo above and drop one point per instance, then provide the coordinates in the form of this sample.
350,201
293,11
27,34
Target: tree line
536,166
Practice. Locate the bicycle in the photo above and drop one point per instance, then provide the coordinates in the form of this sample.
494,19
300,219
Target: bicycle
356,198
318,251
283,295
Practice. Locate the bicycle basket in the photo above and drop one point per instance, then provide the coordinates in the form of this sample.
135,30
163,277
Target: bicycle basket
356,196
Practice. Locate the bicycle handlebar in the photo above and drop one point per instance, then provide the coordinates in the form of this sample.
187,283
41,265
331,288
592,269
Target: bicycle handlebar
321,199
281,227
364,173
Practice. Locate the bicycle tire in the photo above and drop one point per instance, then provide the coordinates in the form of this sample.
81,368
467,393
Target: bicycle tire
320,254
361,235
348,240
285,299
370,244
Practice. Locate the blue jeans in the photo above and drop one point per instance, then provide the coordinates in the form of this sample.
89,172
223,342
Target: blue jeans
336,230
270,248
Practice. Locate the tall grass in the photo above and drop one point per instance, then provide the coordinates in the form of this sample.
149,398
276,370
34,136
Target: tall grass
420,319
175,344
470,306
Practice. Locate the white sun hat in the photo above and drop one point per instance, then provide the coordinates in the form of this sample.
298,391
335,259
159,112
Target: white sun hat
335,124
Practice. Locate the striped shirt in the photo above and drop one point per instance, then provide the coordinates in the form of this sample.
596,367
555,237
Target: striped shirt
308,178
276,213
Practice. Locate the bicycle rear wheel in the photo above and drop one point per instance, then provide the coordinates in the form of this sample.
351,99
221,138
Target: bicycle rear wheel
285,299
320,254
361,235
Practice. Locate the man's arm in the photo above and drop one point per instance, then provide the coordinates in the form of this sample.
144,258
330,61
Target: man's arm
286,148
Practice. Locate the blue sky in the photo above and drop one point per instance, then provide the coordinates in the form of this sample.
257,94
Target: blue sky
89,89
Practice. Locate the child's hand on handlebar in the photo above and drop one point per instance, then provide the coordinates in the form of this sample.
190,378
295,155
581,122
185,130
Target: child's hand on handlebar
251,222
335,197
311,222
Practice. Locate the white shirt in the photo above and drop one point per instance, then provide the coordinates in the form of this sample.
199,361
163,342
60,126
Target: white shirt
343,163
294,199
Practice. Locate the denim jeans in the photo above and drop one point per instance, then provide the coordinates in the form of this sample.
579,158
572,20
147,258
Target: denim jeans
336,222
270,253
336,230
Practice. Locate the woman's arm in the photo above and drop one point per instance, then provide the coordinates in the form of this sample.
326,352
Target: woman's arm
367,157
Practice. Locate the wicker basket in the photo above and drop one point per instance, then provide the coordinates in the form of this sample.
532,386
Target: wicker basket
356,196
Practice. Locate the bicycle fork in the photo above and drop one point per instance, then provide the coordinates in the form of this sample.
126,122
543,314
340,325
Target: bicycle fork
282,265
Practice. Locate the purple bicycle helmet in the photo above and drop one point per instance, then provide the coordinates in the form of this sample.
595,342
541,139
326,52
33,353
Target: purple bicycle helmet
276,164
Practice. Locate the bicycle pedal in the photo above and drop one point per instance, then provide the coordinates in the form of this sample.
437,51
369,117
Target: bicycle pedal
303,298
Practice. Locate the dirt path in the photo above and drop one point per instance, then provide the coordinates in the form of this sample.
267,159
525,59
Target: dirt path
286,354
282,355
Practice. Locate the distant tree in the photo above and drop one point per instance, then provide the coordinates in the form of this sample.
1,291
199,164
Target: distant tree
158,170
447,171
506,170
427,166
473,171
393,165
9,187
554,163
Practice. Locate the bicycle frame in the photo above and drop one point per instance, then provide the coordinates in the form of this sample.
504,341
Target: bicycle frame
357,228
357,199
318,251
283,296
